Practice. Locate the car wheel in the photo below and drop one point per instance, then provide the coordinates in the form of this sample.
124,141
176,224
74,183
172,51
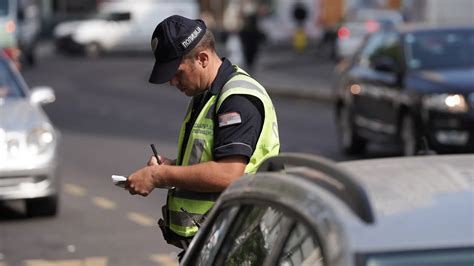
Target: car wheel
408,136
93,50
349,142
47,206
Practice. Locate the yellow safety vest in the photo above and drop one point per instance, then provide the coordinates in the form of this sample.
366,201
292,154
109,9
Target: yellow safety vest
185,207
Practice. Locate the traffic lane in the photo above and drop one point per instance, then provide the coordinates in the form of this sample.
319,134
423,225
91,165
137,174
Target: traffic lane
307,126
110,96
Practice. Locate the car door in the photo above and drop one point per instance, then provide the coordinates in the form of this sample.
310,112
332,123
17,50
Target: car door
373,101
361,86
257,233
387,62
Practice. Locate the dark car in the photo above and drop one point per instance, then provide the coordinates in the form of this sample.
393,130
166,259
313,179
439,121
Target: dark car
410,86
394,211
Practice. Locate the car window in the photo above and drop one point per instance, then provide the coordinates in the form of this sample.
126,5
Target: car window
253,236
215,237
8,87
120,16
301,248
374,42
440,49
389,48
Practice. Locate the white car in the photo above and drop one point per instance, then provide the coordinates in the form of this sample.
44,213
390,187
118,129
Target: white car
119,26
28,144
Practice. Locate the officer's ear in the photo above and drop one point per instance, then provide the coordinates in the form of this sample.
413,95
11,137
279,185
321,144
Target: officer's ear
203,58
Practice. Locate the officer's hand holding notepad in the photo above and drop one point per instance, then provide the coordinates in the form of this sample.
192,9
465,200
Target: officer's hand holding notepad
119,180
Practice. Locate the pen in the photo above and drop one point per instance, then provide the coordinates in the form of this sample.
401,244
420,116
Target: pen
155,153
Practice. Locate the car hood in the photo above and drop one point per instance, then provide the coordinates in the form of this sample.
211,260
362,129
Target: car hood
20,115
70,27
452,80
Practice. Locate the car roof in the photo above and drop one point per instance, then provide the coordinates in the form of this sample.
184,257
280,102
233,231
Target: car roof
419,202
364,14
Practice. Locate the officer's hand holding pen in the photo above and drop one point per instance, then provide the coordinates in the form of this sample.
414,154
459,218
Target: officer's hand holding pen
156,159
155,153
142,182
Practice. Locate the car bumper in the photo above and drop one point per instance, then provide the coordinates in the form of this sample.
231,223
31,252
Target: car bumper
451,132
29,184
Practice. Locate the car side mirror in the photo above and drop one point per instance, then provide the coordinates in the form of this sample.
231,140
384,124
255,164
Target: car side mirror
42,95
386,64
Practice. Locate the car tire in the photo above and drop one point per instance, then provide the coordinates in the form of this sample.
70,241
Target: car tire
93,50
349,141
408,136
46,206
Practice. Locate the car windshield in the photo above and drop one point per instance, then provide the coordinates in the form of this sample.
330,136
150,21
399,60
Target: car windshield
456,257
440,49
3,8
8,87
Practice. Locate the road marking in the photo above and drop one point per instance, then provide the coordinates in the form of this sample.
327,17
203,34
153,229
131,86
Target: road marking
74,190
104,203
92,261
141,219
164,260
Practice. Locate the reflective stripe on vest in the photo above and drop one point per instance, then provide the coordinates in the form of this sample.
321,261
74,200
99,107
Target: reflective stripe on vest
200,145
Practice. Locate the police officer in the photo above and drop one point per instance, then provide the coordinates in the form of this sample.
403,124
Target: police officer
229,129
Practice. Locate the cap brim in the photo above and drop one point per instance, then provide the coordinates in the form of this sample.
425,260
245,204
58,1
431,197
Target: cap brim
163,71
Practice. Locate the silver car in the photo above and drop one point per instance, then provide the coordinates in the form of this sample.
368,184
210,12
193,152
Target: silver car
305,210
28,144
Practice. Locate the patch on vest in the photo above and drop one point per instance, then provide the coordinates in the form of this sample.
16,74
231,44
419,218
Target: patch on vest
228,119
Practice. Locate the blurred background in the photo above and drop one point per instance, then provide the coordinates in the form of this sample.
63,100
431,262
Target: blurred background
76,105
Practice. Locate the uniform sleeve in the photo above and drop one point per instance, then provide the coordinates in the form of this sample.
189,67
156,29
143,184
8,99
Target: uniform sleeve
238,126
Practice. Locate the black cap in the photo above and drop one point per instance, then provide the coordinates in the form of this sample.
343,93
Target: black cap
173,37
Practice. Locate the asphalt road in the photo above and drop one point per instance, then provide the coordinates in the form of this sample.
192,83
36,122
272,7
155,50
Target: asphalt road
108,115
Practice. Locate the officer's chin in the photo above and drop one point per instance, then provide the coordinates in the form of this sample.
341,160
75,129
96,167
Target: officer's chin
189,93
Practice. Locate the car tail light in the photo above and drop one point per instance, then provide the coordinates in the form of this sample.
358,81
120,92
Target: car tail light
372,26
14,55
343,33
11,53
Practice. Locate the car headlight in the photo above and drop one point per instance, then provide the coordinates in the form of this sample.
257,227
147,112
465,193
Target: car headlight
24,145
39,140
454,103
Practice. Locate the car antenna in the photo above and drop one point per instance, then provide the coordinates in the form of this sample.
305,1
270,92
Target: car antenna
425,148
